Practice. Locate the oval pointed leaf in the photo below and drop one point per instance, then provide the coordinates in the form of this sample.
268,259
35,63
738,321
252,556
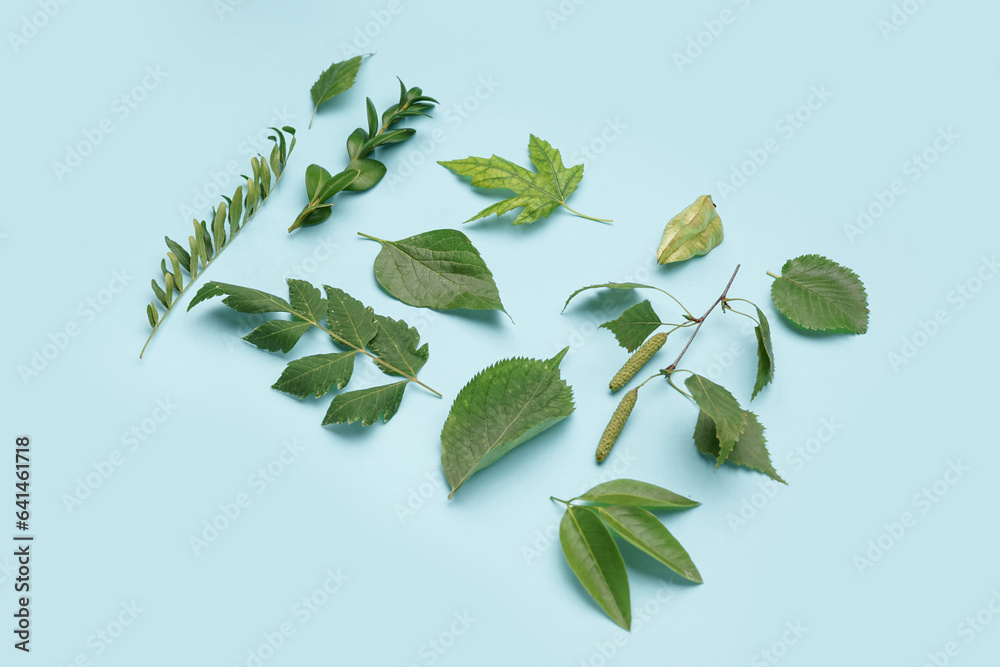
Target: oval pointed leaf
694,231
316,374
819,294
366,405
643,530
637,494
502,407
596,561
336,183
277,335
439,269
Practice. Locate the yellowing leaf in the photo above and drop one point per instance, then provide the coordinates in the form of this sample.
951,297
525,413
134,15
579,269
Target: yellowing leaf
694,231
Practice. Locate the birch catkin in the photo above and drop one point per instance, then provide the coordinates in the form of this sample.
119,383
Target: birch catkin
616,424
637,361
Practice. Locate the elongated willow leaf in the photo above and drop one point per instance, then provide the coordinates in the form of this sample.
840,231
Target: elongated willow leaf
596,561
213,235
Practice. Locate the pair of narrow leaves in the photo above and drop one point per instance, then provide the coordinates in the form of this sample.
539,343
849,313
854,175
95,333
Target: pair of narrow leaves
391,344
624,506
538,193
362,172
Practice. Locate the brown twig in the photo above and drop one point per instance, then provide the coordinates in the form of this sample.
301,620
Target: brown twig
701,320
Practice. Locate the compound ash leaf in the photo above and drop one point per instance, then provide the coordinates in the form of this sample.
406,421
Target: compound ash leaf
275,335
439,269
694,231
338,78
640,528
724,410
632,493
366,405
502,407
538,194
634,325
396,344
749,451
306,300
316,374
596,561
348,318
819,294
765,354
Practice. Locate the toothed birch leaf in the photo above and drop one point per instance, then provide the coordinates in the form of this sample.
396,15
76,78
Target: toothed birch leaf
765,354
502,407
634,325
337,78
749,451
817,293
724,410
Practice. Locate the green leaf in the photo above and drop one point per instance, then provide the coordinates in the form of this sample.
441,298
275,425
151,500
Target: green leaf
241,299
348,318
749,451
181,254
316,176
276,335
337,183
634,325
355,142
439,269
307,302
366,405
618,286
724,410
692,232
338,78
596,561
643,530
765,354
396,344
539,194
392,137
370,172
632,493
316,374
819,294
502,407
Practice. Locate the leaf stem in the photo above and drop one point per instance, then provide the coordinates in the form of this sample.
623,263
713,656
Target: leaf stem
772,275
378,361
315,108
586,216
671,381
373,238
701,320
215,256
560,500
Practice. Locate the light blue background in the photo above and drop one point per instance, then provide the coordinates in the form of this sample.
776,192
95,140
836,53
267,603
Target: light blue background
484,554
